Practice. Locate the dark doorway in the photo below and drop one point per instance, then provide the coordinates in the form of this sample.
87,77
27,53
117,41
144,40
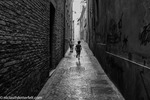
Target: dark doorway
52,17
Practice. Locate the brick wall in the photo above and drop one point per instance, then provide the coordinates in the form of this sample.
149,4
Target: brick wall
58,33
24,32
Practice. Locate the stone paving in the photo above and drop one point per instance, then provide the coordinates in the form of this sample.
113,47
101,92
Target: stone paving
84,80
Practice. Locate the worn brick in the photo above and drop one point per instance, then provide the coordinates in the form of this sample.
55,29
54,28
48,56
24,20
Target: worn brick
58,33
24,32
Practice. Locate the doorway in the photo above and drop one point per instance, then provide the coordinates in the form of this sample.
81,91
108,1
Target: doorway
52,17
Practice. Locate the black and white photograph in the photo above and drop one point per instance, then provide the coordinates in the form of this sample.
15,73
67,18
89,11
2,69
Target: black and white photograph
74,49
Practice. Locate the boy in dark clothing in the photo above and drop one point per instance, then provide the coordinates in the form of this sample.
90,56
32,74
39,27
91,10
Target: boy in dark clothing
78,49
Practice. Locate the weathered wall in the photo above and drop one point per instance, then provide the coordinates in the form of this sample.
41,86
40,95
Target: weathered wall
24,31
83,21
91,25
122,36
58,33
124,26
131,79
68,22
24,45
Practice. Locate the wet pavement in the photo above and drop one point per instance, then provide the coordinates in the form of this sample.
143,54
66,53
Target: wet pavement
84,80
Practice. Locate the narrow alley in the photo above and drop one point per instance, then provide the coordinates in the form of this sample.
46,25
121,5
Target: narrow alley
84,80
36,37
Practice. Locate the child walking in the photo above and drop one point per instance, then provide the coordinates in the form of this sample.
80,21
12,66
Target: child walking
78,49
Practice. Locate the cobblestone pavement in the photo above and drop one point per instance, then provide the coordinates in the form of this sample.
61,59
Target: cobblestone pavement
84,80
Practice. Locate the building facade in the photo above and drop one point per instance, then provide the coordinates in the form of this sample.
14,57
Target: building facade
119,38
68,22
24,53
32,39
83,21
57,32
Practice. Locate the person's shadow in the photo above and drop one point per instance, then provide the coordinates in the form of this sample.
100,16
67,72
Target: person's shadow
78,64
79,68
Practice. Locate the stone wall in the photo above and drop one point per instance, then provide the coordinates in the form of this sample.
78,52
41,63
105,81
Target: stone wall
58,42
131,78
68,22
121,33
124,25
91,32
24,59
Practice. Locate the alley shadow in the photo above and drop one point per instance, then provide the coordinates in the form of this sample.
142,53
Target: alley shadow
79,68
78,63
